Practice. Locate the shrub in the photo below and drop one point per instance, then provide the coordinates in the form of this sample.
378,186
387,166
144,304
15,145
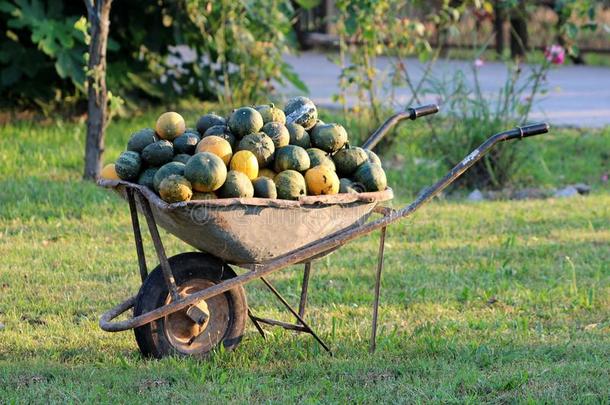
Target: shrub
222,49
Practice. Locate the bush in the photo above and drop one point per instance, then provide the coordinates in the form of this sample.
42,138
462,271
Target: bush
174,48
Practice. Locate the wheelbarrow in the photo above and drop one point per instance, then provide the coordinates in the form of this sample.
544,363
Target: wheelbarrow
193,302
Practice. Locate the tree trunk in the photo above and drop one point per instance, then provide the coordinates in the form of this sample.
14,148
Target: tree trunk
518,32
499,26
97,117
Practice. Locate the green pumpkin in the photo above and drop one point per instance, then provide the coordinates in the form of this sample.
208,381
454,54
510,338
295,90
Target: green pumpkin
319,157
348,186
222,131
147,177
186,143
290,185
291,157
237,185
317,126
206,172
158,153
302,111
371,176
347,160
372,157
128,165
244,121
208,121
182,158
260,145
278,133
298,135
165,171
264,187
141,139
271,113
329,137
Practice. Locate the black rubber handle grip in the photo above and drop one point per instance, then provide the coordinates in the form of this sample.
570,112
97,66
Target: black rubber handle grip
528,130
417,112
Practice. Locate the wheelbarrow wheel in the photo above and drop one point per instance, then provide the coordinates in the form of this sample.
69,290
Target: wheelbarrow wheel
178,334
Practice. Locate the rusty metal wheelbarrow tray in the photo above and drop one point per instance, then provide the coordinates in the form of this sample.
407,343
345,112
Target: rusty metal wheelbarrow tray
253,230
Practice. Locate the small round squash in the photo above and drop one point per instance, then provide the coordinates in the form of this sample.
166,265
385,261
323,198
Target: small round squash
109,172
128,165
371,176
321,180
170,125
175,188
290,185
237,185
264,187
278,133
205,171
245,162
165,171
291,157
216,145
261,145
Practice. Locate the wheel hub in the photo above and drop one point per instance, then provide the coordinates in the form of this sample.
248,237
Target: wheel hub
201,326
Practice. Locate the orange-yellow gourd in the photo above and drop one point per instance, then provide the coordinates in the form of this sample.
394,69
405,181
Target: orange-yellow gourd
109,172
321,180
170,125
216,145
244,161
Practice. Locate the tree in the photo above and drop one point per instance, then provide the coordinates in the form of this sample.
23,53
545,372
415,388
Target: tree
98,12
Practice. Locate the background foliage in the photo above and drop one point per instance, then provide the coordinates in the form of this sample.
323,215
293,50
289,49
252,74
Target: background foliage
174,48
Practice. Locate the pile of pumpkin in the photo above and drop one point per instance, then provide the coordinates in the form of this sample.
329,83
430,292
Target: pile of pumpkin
260,151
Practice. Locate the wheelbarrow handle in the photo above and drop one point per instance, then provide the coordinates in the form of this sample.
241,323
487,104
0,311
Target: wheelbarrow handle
528,130
410,113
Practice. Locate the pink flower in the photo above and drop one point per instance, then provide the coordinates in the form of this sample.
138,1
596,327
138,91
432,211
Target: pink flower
478,63
555,54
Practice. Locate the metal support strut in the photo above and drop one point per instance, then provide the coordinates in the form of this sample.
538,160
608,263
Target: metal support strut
301,326
377,289
304,287
154,234
137,234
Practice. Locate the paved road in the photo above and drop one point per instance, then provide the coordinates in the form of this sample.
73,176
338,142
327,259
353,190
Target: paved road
577,95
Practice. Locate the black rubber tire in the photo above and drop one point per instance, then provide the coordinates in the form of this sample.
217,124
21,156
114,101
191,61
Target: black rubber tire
151,338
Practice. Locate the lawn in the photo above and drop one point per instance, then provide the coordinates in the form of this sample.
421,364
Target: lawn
494,301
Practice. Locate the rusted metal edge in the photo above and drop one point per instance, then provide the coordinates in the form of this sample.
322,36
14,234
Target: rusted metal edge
306,201
107,317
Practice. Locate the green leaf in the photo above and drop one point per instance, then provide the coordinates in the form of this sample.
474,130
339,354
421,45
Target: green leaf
571,30
290,75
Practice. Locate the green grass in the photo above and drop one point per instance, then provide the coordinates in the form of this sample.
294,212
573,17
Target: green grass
496,302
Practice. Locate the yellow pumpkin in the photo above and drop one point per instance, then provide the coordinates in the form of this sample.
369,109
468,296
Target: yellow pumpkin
270,174
109,172
245,161
216,145
170,125
321,180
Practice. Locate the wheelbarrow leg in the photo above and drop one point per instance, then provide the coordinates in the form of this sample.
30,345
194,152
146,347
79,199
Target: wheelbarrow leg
305,328
304,287
137,234
377,290
257,325
154,234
